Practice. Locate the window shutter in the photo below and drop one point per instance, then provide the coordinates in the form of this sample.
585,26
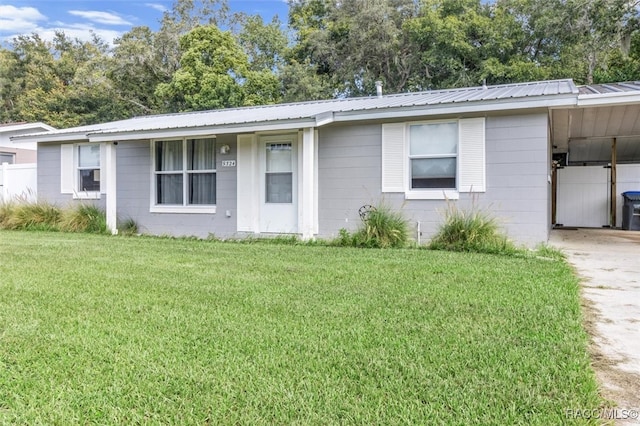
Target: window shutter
472,155
393,157
67,169
103,168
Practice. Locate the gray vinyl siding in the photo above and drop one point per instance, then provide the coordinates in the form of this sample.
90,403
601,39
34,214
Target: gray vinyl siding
349,174
134,177
517,175
49,179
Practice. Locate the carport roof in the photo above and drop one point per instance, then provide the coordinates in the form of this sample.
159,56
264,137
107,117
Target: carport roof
604,112
317,113
600,89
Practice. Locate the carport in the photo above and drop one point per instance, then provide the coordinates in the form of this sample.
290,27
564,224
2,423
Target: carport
596,155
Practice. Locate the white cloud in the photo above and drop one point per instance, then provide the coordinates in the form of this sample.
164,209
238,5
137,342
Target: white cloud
19,19
156,6
82,32
105,18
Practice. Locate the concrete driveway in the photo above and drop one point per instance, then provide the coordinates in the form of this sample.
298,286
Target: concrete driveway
608,261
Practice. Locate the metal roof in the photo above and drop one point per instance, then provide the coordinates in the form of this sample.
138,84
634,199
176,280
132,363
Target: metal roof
609,88
23,126
316,110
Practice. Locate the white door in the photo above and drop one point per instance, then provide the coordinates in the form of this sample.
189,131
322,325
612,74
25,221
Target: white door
279,184
583,196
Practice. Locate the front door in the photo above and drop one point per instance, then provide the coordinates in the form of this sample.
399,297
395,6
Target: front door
278,181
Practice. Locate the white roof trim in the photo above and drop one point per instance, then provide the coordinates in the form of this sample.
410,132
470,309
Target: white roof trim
598,99
200,131
25,126
63,137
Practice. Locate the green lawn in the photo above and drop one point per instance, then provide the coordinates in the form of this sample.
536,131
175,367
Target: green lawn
115,330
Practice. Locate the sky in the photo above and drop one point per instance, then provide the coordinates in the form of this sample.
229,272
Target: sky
107,18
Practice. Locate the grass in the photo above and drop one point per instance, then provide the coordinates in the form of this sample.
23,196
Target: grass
115,330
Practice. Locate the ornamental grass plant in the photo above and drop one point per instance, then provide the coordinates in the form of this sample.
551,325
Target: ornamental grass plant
44,216
471,230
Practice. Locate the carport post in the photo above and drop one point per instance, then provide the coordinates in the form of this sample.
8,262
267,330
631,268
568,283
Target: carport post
614,159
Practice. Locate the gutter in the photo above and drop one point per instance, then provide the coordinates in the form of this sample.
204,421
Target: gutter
602,99
114,136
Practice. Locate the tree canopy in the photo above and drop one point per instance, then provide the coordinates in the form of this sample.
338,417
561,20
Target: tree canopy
205,56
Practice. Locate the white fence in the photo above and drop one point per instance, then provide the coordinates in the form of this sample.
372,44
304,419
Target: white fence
18,182
584,194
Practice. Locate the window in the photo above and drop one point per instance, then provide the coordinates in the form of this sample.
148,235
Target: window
88,168
434,160
81,170
185,172
279,173
7,157
433,155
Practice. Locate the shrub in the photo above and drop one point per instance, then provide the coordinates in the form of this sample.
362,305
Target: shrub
472,230
128,227
381,228
84,218
344,239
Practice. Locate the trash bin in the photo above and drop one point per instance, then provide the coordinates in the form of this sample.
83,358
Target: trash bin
631,211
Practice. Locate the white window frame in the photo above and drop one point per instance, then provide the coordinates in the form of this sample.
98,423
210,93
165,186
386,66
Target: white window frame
470,165
430,193
69,172
185,207
79,193
291,171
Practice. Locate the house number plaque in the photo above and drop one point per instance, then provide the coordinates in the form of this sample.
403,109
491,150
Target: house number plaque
228,163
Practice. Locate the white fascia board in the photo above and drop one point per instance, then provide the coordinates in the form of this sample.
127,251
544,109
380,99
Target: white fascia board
606,99
44,137
324,118
200,131
461,108
26,126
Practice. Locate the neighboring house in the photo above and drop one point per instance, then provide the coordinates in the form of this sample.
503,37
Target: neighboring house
19,153
18,171
306,168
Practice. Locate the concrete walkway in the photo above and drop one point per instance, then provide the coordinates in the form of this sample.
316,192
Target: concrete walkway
609,263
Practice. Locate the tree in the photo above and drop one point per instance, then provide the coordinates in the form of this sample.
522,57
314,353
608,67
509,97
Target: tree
264,44
136,69
10,82
214,73
64,82
355,43
302,82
